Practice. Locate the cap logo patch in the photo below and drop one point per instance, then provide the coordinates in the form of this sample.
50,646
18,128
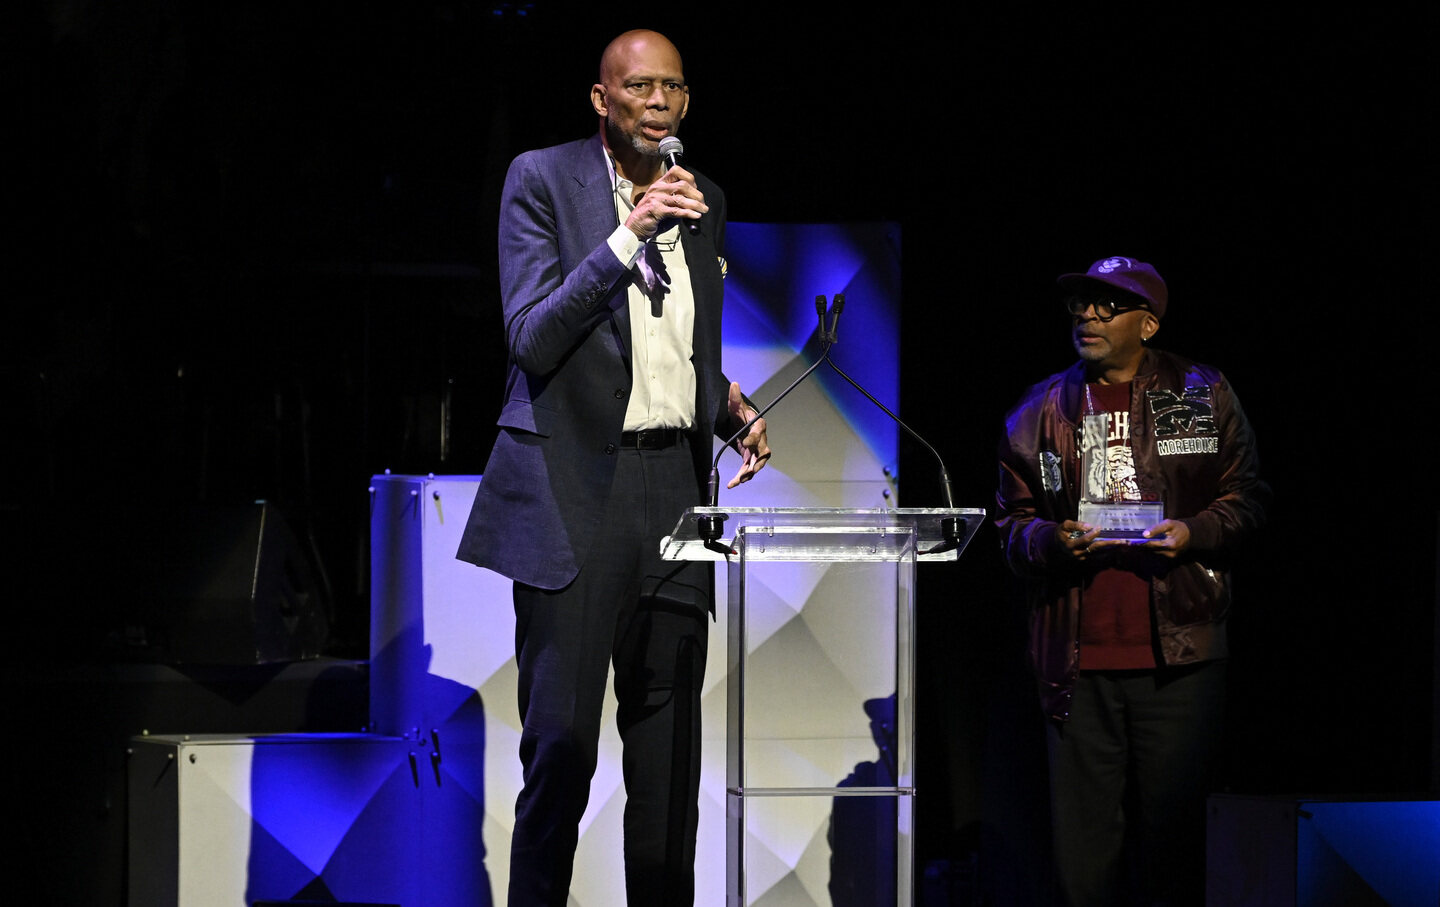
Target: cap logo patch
1114,264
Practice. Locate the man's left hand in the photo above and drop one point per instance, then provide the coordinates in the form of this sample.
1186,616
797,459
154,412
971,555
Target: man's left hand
754,450
1176,538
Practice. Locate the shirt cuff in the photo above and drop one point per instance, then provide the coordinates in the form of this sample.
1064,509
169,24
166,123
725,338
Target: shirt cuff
626,245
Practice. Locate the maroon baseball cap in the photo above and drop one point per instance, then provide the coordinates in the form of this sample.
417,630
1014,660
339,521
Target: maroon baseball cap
1134,277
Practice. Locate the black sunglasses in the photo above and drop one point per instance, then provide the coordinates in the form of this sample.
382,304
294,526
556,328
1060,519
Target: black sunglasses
1105,308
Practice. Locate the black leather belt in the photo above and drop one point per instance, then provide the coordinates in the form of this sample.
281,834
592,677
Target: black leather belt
650,438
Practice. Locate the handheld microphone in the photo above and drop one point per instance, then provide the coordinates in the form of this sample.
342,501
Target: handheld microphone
673,151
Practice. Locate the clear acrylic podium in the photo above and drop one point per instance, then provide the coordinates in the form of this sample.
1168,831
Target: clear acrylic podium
866,818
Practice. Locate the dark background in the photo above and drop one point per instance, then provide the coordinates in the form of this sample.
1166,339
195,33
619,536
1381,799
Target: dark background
252,257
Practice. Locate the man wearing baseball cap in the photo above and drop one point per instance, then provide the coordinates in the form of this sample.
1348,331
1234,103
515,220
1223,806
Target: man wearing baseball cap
1127,482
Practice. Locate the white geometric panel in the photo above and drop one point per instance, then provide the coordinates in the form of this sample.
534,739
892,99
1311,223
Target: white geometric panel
777,596
764,870
459,610
231,820
758,368
851,614
789,860
811,441
792,690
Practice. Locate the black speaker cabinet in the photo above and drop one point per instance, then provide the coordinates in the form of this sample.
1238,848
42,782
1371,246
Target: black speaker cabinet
228,585
1317,852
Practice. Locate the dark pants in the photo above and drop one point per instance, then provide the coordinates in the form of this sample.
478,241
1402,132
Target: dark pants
651,618
1129,776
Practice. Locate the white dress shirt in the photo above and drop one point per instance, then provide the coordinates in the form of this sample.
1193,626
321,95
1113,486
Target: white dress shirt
662,321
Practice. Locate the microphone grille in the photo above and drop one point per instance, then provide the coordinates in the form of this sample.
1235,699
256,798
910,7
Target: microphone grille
671,145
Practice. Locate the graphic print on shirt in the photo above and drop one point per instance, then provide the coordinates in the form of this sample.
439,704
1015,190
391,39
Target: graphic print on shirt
1107,461
1184,422
1120,481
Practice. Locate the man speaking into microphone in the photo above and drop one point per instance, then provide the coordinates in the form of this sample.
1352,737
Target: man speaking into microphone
614,389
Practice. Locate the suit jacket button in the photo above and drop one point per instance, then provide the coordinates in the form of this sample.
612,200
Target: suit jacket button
609,448
619,392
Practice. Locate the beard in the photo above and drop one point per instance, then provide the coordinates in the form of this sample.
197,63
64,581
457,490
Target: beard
1093,351
632,139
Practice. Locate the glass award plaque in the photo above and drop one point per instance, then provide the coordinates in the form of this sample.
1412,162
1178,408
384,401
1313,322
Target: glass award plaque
1109,498
1123,520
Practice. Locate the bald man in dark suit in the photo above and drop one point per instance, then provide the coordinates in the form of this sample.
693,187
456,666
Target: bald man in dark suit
611,269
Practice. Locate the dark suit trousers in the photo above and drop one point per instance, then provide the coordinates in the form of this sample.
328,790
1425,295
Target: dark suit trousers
1129,774
651,618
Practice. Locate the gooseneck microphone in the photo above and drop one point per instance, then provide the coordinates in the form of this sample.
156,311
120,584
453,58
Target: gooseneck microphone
710,527
950,526
674,152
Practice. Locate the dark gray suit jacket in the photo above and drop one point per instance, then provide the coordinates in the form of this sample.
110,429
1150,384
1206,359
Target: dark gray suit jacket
567,329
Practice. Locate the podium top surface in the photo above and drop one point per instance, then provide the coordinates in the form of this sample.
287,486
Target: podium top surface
823,533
